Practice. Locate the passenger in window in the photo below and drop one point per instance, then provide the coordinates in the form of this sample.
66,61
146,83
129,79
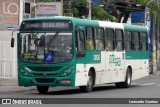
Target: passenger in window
90,45
107,47
118,46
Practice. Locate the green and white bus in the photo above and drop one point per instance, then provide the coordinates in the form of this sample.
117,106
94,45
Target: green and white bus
65,51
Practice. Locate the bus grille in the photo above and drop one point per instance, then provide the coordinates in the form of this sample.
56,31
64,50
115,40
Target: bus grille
51,69
42,74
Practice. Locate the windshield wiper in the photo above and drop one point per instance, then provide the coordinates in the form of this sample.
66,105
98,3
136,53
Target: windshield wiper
52,38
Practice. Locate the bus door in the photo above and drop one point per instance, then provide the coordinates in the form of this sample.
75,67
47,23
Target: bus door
109,50
116,58
80,57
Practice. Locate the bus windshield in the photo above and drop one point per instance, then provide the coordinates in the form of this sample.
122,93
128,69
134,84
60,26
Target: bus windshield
38,47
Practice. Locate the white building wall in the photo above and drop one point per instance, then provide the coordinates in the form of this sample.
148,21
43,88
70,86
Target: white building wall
8,56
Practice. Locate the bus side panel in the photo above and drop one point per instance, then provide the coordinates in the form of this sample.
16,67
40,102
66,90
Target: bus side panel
115,64
82,74
95,60
136,68
106,76
139,63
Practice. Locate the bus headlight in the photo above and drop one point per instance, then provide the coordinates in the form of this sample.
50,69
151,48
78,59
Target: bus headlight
68,71
24,72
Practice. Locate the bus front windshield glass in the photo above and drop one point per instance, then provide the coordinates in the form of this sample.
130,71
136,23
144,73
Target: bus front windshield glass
46,47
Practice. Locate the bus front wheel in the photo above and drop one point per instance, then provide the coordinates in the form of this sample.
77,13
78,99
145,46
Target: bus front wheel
42,89
89,86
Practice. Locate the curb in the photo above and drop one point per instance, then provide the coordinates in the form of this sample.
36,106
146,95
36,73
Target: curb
8,82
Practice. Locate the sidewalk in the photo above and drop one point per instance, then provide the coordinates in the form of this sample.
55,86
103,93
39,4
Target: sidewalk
8,85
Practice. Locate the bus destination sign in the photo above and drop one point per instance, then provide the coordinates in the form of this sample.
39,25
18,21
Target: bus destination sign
46,25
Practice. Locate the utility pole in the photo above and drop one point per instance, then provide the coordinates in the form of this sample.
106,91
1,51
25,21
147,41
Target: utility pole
69,8
155,53
20,11
158,44
153,38
89,7
154,49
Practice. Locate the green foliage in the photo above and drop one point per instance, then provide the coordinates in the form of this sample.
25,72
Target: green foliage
98,12
52,0
153,6
80,1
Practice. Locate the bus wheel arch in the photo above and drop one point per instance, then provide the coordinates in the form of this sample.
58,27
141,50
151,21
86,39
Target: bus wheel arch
92,70
90,82
127,81
128,78
129,67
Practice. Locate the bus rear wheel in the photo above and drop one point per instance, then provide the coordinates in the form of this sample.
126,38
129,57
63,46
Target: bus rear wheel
42,89
127,82
88,88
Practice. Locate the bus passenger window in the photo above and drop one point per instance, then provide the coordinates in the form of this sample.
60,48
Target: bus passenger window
109,38
80,41
119,40
89,41
144,41
127,40
99,41
136,45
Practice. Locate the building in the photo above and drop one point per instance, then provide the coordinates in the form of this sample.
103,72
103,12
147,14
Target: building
12,12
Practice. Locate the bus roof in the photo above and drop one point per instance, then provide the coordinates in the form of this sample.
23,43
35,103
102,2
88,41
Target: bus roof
77,21
135,27
111,25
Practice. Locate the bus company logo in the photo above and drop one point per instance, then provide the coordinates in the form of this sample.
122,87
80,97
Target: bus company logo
114,60
97,57
6,101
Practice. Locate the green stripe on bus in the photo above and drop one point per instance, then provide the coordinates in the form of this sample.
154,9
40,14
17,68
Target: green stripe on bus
134,28
137,55
90,58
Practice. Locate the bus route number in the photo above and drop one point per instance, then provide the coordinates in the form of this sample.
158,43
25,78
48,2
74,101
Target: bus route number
96,57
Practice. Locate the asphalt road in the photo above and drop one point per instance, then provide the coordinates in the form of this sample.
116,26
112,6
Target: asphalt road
147,87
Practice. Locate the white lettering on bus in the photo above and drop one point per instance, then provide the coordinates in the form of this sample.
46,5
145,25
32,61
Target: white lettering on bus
96,57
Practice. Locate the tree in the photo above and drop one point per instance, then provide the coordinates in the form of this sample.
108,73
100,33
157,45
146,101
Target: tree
153,6
123,8
80,9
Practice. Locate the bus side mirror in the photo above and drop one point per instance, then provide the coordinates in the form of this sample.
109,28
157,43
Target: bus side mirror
12,42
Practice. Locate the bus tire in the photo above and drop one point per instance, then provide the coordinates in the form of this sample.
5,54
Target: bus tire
88,88
127,82
42,89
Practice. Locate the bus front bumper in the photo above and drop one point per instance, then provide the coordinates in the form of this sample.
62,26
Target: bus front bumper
46,81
